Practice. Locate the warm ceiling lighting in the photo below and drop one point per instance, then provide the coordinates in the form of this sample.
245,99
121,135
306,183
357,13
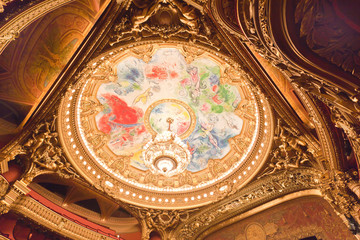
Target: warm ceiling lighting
166,154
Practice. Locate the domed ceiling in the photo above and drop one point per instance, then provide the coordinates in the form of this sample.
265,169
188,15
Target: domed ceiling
191,111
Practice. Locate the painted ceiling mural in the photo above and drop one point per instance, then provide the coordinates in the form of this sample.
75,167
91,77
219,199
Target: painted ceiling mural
166,87
30,65
128,98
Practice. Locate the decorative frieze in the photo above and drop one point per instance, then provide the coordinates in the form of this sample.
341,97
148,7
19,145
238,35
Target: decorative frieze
34,210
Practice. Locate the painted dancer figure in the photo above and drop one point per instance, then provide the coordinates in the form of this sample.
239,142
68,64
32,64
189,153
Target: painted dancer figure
207,128
195,82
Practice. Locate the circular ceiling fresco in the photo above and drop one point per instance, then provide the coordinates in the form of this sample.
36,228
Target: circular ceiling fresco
188,103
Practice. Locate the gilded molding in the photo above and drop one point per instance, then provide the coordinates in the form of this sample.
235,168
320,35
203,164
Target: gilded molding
345,122
336,187
292,168
118,224
42,152
259,209
37,212
162,221
217,10
256,193
290,151
19,188
3,3
104,181
167,20
45,153
258,32
307,85
4,185
10,31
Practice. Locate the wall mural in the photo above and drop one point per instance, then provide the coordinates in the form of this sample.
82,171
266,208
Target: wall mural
145,95
296,219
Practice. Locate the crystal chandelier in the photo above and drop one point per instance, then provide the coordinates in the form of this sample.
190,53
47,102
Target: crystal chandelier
166,154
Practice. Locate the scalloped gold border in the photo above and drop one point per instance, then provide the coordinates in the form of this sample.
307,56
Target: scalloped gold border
149,196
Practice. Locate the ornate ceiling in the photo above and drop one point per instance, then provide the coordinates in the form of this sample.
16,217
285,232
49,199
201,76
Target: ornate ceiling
177,119
30,65
125,100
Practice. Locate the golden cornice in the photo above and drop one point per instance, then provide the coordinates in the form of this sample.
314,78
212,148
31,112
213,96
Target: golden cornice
11,30
123,225
326,36
259,209
239,50
260,33
35,211
48,104
256,193
215,8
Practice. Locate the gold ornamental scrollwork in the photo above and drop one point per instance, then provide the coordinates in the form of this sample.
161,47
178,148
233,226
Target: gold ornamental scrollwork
260,38
164,19
87,147
163,221
45,153
338,189
328,35
290,151
4,185
269,187
11,30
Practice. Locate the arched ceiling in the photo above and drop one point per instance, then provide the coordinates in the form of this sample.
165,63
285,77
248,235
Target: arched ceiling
30,65
102,89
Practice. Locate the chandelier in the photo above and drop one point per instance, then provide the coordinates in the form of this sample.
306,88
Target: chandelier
166,154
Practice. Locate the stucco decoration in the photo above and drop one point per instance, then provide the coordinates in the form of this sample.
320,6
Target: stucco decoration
124,99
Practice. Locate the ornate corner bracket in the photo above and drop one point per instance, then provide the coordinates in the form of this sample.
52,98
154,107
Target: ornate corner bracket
163,221
174,19
290,151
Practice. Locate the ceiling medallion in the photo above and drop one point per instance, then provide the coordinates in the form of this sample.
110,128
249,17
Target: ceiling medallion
114,125
166,154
